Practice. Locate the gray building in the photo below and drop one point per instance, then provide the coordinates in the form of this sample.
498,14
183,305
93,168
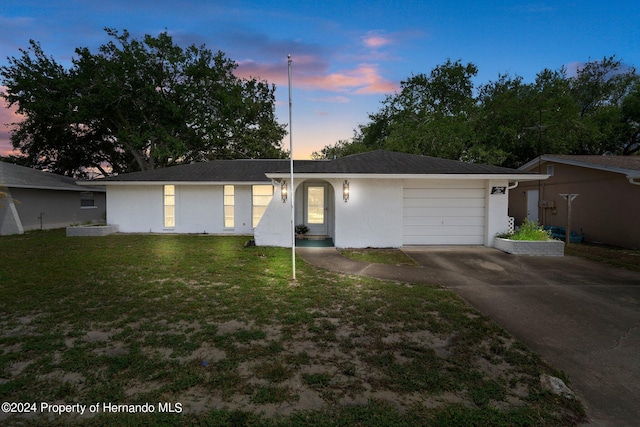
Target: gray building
33,200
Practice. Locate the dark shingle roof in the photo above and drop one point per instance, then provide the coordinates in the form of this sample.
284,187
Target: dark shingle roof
374,162
14,176
211,171
391,162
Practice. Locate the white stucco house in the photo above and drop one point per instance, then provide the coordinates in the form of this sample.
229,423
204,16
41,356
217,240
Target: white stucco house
374,199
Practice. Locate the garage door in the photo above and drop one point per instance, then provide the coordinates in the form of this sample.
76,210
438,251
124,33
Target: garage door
447,213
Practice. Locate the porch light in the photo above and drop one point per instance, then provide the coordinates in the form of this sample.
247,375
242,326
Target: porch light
283,190
345,190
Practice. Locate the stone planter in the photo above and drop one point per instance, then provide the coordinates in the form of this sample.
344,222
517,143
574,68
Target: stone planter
530,247
91,230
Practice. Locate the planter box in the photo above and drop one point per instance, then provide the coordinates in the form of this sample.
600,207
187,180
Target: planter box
91,230
530,247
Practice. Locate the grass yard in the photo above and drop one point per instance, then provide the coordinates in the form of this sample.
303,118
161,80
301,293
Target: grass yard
618,257
220,335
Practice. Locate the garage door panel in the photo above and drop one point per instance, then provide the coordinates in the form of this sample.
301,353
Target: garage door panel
441,230
445,203
443,193
448,185
444,240
445,221
444,214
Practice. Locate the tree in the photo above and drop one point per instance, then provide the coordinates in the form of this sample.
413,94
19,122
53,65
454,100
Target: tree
600,89
429,115
630,138
508,122
518,121
138,105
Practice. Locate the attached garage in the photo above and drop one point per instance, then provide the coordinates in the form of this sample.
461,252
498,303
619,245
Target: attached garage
444,212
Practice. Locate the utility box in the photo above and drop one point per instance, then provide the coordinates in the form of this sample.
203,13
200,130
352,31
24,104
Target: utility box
547,204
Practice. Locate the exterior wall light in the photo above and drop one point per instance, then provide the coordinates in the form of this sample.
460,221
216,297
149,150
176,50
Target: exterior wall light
283,190
345,190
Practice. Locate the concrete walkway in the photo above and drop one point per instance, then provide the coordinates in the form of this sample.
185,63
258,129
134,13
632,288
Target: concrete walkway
582,316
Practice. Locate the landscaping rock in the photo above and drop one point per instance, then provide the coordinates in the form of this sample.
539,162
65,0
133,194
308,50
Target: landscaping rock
556,386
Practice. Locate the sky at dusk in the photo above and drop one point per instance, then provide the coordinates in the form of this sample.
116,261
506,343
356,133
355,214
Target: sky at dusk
347,56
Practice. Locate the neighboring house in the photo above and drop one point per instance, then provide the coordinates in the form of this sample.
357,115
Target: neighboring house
33,199
607,207
374,199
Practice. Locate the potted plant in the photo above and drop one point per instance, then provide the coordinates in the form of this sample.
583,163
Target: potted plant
301,230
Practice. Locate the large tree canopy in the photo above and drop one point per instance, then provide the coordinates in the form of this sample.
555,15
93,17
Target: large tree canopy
507,121
137,105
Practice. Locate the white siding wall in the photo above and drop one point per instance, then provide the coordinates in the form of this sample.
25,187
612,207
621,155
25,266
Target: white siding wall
373,215
274,228
371,218
199,209
497,215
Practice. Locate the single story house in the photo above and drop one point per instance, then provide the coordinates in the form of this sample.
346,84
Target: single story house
606,208
374,199
31,199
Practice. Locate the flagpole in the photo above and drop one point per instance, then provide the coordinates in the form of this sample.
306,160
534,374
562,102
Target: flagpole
292,192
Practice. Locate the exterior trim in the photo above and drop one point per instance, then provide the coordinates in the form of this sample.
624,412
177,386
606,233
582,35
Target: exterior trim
160,183
511,177
630,173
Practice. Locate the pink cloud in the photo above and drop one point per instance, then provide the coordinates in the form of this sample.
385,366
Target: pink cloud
311,73
8,115
333,99
375,42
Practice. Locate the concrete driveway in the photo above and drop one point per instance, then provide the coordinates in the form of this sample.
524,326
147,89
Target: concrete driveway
582,316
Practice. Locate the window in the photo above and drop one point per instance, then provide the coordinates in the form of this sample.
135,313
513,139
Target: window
315,205
87,200
229,206
169,206
550,170
262,195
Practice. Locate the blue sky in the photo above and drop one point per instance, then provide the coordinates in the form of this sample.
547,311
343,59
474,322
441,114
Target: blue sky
346,55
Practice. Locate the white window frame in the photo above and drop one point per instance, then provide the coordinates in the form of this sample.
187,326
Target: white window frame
229,206
259,202
169,205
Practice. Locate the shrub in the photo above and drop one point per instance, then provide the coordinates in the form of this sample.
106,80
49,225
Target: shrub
530,230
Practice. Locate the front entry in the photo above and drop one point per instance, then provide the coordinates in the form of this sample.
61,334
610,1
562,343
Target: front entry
315,208
532,205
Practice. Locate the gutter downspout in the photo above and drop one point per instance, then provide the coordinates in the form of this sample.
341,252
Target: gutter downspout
632,180
515,184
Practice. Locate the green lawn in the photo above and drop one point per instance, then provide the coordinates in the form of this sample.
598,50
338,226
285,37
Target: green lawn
618,257
203,325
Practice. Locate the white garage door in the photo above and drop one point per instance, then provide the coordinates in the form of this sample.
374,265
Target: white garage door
446,213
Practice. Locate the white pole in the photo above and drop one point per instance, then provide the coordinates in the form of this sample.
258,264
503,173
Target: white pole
292,192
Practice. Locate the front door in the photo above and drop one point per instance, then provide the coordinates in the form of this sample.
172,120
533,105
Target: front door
532,205
315,209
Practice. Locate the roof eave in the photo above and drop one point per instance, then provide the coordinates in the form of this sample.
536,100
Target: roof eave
168,182
547,158
53,188
510,177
